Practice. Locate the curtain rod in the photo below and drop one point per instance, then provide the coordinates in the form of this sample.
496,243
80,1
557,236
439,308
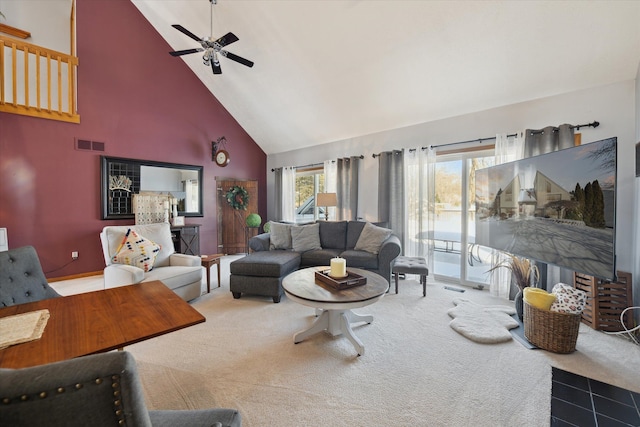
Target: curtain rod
318,164
374,155
593,124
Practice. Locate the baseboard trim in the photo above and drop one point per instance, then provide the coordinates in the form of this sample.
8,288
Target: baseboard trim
74,276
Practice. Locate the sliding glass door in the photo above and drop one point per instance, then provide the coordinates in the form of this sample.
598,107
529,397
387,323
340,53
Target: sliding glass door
456,257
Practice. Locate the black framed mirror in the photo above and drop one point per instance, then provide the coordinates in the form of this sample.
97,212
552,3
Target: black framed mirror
121,178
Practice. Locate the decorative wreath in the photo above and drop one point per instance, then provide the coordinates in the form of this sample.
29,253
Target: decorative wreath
238,198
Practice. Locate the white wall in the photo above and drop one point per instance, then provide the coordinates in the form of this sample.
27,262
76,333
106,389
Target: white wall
46,20
614,106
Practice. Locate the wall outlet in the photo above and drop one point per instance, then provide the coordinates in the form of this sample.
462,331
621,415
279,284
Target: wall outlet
74,255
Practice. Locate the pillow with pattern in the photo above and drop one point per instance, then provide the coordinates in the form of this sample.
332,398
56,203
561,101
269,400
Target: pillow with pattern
568,299
137,251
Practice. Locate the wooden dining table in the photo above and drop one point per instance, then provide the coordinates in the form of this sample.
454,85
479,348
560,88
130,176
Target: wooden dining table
99,321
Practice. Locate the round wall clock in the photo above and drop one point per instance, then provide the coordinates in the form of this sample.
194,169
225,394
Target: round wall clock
222,158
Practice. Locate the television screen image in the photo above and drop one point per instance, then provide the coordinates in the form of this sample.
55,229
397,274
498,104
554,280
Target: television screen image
557,208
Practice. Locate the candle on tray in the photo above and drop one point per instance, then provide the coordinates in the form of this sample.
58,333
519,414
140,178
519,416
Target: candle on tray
338,267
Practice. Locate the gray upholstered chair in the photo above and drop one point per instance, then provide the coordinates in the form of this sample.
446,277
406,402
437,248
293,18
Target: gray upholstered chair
21,277
98,390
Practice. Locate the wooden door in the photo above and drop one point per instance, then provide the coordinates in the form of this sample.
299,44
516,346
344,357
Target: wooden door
232,228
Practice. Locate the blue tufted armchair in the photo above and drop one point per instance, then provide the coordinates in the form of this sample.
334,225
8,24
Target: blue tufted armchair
21,277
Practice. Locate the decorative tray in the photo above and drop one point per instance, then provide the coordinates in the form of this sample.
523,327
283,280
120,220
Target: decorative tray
350,281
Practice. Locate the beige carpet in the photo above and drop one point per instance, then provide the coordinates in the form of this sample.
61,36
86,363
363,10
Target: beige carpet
416,370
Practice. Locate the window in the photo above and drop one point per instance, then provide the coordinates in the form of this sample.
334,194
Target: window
309,182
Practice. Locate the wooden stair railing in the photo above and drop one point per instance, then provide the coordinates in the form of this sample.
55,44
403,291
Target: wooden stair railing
36,81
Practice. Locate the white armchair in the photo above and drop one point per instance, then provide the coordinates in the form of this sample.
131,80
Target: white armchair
183,274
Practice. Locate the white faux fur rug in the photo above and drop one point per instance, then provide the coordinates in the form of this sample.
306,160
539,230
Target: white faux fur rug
483,324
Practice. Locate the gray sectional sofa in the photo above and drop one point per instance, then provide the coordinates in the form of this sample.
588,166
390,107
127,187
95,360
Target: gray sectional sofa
289,247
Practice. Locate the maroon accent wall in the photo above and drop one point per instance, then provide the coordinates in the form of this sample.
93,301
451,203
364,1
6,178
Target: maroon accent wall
143,104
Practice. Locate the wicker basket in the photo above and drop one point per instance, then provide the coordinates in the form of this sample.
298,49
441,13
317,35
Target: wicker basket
550,330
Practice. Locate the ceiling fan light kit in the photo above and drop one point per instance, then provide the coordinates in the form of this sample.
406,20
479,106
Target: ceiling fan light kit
211,47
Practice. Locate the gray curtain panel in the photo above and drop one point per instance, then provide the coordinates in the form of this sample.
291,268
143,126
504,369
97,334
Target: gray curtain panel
277,194
546,140
347,188
391,206
543,141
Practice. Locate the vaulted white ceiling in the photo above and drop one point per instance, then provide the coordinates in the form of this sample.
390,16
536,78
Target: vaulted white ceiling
327,70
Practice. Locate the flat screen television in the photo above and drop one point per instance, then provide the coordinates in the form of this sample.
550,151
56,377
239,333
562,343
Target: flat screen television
556,208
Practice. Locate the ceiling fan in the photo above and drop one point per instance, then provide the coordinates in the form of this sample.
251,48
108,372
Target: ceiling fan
211,48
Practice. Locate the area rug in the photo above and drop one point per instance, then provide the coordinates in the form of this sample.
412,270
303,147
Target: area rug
416,370
483,324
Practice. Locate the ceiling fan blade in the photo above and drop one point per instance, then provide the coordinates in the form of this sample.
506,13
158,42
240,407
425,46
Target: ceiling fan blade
234,57
215,65
227,39
185,52
186,32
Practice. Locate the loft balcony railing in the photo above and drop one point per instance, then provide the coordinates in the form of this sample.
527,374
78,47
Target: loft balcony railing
36,81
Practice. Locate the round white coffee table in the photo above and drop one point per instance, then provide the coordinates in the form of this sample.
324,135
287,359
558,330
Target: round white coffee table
333,306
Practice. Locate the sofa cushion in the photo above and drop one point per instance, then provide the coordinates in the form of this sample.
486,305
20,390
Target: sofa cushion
175,277
305,238
261,242
360,259
372,238
319,257
137,251
280,236
333,234
274,263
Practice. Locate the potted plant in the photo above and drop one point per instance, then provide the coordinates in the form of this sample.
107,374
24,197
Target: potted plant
523,272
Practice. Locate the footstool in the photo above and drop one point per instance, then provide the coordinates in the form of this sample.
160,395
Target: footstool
411,265
261,273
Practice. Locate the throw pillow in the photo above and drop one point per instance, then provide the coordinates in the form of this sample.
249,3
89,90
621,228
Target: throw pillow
372,238
539,298
568,299
280,236
305,238
137,251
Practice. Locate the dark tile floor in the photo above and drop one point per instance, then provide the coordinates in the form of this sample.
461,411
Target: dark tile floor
584,402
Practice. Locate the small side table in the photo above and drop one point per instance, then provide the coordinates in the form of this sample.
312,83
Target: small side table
207,262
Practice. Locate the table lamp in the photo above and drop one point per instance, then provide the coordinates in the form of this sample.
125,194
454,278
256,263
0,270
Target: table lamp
326,200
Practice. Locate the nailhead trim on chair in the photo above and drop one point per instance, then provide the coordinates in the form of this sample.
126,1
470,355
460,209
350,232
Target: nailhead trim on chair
115,384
